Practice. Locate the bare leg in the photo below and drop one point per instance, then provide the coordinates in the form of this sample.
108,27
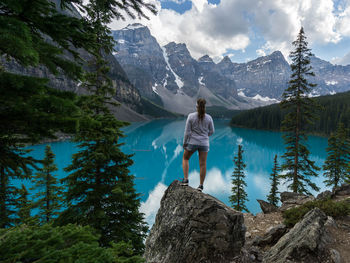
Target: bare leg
202,166
185,167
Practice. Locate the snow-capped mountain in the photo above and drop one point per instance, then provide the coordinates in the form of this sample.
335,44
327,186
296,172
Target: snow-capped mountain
170,77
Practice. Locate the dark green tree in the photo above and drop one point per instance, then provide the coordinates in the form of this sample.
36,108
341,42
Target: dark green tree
101,191
23,206
274,178
33,33
300,113
239,195
29,109
48,197
338,157
70,243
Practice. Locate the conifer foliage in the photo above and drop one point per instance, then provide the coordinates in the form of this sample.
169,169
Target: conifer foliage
239,195
23,206
274,177
300,113
101,191
338,157
49,192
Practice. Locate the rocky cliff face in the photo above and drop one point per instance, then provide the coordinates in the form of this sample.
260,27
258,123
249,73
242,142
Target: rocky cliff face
265,76
126,93
194,227
169,75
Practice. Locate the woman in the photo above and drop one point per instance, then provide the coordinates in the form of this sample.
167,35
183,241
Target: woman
199,126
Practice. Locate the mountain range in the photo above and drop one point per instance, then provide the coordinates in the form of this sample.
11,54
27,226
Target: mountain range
170,77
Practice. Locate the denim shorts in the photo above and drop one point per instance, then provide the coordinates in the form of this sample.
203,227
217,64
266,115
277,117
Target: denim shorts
194,147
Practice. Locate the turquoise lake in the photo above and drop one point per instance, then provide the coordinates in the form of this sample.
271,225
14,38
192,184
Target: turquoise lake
157,149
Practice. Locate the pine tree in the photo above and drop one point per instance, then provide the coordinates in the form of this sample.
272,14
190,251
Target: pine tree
48,197
33,33
29,109
239,196
338,157
23,207
272,197
300,113
101,191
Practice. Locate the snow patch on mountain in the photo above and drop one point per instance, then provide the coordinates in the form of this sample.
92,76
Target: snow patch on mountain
178,80
267,99
257,97
200,81
154,88
331,82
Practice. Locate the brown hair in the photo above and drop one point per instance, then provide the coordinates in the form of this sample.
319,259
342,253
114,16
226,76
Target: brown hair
201,108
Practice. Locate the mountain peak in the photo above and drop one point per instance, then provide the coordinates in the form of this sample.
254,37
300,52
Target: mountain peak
226,60
277,54
205,58
134,26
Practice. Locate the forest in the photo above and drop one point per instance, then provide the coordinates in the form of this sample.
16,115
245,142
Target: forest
334,109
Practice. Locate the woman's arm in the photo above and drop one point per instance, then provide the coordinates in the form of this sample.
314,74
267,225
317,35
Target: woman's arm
188,130
211,127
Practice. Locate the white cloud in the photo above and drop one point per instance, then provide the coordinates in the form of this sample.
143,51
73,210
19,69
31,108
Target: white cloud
262,184
215,183
217,29
151,205
206,28
260,52
343,60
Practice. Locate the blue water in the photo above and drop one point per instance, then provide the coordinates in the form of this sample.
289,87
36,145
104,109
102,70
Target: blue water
157,149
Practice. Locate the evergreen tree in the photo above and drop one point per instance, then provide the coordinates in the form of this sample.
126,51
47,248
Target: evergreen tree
49,193
272,197
338,157
29,109
101,191
33,33
70,243
23,206
300,113
239,196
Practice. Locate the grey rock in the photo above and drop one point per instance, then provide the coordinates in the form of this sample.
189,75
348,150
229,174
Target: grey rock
267,207
290,200
335,256
271,237
192,226
126,94
324,195
330,222
342,190
302,243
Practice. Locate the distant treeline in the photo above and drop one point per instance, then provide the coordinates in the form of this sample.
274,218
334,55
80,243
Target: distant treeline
334,109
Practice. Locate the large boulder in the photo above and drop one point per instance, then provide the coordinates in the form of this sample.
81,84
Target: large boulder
290,200
192,226
343,190
271,237
267,207
303,243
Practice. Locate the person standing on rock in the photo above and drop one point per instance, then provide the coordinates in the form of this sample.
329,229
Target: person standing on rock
199,126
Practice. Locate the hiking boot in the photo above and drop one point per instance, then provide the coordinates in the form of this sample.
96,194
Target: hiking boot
200,188
184,182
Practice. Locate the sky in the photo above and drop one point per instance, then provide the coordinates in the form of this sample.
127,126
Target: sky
247,29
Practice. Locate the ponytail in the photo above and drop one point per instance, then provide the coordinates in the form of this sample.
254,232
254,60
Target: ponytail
201,108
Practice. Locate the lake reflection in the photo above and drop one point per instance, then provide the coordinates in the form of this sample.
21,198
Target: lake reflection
157,149
158,158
